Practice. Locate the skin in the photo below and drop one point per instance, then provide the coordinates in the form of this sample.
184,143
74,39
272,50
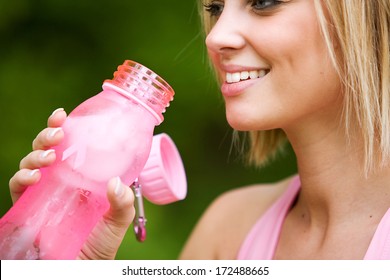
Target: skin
104,241
338,207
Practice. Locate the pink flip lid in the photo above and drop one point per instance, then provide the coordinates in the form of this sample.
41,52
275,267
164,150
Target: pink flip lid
163,178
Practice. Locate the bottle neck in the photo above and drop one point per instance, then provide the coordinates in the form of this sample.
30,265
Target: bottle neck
142,85
158,116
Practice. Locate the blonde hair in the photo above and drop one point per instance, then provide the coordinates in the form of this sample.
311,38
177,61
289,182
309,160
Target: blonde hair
359,30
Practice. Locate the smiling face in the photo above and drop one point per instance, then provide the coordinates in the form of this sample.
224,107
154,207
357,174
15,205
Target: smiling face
273,63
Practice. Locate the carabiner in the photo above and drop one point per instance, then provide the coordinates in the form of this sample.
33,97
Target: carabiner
140,219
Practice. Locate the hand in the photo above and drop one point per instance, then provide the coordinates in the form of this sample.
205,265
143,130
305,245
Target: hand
106,237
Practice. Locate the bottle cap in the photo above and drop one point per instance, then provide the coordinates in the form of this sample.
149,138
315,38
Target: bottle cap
163,178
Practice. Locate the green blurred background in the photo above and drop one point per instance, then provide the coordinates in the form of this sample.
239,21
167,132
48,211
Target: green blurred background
57,54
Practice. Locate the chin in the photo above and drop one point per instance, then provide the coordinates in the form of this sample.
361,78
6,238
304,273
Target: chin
240,123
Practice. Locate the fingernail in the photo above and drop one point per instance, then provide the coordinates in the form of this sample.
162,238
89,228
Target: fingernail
46,153
57,110
118,187
54,131
33,172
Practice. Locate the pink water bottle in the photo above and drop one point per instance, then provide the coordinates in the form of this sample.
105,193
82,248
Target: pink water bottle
108,135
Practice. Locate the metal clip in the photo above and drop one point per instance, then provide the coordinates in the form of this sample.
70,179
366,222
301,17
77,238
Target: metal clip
140,219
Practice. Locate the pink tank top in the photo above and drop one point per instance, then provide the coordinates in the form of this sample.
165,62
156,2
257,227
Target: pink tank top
261,242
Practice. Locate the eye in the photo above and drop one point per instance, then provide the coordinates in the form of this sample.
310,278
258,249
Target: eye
214,8
264,4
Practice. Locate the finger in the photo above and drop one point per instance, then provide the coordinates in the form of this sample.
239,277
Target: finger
57,118
121,212
52,135
48,137
38,159
108,234
21,180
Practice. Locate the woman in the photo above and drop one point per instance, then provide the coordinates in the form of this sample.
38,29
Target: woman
317,74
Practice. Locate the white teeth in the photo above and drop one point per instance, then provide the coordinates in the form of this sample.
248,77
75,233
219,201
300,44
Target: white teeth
244,75
262,73
254,74
229,78
236,77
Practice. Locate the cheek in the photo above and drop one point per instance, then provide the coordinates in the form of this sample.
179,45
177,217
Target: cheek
313,83
301,67
316,95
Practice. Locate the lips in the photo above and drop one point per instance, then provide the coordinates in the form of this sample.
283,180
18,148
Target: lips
238,81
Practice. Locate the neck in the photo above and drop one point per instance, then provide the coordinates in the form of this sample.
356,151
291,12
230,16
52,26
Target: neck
334,184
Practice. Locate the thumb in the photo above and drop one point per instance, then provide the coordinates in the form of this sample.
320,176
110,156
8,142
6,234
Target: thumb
106,237
121,212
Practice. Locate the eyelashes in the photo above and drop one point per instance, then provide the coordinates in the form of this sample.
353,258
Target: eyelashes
262,5
215,8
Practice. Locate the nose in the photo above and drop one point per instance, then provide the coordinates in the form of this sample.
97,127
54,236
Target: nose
225,36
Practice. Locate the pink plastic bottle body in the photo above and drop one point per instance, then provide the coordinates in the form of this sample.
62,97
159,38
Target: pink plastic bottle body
108,135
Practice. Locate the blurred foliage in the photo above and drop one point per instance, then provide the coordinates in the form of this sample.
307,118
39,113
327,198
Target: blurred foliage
57,54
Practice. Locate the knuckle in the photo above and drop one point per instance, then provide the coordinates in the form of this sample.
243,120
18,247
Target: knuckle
34,143
23,162
16,179
11,182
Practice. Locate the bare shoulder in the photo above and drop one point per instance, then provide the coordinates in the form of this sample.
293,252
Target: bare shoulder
225,224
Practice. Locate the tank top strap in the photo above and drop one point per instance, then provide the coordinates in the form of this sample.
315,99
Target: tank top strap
379,248
262,239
